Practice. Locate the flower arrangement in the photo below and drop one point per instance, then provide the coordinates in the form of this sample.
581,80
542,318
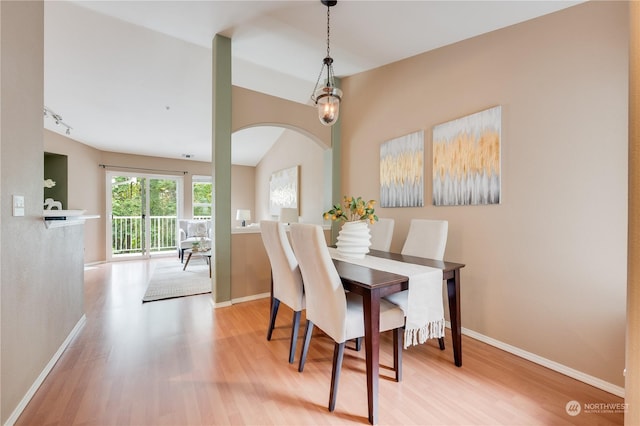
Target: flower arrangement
351,210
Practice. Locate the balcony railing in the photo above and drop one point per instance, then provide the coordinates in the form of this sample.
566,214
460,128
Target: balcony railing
126,234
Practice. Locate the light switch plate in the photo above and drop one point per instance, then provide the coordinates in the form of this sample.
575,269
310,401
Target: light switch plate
18,205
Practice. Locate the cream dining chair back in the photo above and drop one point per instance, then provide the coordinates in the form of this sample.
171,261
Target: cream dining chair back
286,281
338,314
381,234
426,238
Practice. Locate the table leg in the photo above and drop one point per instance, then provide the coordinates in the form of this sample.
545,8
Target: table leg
371,305
453,291
187,262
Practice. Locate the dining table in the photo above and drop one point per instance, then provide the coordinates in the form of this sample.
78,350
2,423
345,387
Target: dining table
372,285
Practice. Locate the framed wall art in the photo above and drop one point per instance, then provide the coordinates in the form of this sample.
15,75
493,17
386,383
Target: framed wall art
402,171
284,190
466,160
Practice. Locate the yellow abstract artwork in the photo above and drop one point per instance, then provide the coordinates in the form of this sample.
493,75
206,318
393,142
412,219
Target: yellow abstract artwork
402,171
466,160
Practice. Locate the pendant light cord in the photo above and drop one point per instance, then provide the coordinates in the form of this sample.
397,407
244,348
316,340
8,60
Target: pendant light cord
327,61
328,30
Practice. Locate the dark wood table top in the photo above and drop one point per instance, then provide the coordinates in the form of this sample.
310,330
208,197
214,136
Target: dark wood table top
363,275
440,264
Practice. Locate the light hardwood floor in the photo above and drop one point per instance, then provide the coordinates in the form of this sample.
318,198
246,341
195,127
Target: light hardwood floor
181,362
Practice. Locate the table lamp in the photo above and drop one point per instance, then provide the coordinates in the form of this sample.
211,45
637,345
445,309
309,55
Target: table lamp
289,215
243,215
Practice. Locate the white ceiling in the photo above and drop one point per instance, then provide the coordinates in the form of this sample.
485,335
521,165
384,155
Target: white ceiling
135,76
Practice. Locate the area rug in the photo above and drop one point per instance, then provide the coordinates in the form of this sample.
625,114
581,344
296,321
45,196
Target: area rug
168,280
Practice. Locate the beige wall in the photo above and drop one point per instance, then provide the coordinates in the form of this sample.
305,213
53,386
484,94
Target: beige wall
243,190
41,270
294,149
250,267
252,108
546,269
86,189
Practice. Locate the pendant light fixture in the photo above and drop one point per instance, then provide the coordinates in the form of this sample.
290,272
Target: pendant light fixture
327,98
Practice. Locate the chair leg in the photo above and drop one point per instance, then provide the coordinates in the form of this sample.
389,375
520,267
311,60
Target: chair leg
305,345
338,354
358,344
294,335
274,312
441,343
397,352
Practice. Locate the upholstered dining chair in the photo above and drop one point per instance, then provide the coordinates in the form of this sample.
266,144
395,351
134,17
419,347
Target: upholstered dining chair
286,280
426,238
337,313
381,234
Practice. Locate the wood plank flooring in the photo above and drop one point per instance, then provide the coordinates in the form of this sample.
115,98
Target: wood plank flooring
181,362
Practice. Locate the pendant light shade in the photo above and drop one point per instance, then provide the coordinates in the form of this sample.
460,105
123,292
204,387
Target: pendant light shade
327,98
328,103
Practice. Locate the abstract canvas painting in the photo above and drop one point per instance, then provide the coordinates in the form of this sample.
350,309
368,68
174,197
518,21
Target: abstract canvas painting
402,171
466,160
283,190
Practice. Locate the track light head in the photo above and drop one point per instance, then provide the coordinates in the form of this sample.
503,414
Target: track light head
57,118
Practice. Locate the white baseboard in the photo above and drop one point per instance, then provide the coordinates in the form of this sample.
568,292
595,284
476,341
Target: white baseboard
221,304
563,369
250,298
43,375
240,300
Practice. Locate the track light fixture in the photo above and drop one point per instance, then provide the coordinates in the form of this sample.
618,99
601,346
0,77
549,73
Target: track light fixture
328,97
57,118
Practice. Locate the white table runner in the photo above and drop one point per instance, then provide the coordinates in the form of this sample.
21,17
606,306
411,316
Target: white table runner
422,303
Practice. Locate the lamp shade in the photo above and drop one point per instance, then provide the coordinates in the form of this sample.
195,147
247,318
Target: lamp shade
288,215
243,214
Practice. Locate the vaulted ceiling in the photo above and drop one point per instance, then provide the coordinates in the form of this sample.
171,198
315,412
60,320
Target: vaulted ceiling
135,76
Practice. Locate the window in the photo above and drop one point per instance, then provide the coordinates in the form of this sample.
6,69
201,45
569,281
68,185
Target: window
202,190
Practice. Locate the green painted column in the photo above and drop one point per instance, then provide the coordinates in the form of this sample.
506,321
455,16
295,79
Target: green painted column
221,167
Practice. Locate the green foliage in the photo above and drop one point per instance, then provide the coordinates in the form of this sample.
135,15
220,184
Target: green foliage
162,197
127,196
202,193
